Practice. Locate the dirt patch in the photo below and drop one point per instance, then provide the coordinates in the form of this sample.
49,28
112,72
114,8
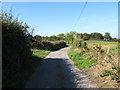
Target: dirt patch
100,82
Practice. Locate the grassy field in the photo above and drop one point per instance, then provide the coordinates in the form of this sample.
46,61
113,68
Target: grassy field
104,44
99,62
23,76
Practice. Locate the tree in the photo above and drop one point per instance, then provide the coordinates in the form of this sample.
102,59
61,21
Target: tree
69,37
61,36
107,36
114,39
38,38
79,35
79,43
45,38
73,33
53,38
86,36
96,36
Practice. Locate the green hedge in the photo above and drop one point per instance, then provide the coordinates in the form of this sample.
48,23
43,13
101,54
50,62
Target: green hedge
16,51
47,45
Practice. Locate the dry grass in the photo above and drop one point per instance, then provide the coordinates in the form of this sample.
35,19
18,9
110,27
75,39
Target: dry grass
101,82
104,44
104,62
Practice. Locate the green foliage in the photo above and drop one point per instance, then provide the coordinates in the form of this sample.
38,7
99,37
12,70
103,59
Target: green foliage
16,52
54,38
51,38
86,36
106,73
47,45
109,73
79,35
116,68
96,36
114,76
115,40
69,37
79,43
40,53
79,60
98,48
38,38
107,36
61,36
45,38
37,57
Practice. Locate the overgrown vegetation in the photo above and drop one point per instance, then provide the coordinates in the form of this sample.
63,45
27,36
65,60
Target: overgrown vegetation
104,56
16,52
80,61
114,76
71,36
47,45
17,59
79,44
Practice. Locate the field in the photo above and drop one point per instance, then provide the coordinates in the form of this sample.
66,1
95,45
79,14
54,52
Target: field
99,62
105,45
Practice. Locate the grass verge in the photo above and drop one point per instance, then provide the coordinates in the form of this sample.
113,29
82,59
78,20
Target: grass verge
80,61
23,75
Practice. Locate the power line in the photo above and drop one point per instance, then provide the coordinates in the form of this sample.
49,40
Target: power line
80,15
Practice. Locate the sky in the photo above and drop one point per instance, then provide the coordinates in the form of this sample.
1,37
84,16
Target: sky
52,18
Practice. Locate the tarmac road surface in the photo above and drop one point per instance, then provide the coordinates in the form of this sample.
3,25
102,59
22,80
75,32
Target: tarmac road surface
58,71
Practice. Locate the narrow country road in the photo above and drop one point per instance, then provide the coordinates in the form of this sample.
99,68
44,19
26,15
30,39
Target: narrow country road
58,71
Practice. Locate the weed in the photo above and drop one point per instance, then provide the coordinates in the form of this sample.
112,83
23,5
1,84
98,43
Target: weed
109,73
116,68
79,43
106,73
114,76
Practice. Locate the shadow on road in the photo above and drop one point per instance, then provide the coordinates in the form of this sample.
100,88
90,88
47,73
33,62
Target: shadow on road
52,73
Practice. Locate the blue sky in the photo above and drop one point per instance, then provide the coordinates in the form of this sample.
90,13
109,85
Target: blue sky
52,18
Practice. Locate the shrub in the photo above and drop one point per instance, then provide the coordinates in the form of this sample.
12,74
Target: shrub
47,45
79,43
16,52
98,48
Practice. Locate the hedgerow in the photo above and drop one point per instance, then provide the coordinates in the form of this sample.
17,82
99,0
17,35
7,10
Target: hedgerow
16,51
